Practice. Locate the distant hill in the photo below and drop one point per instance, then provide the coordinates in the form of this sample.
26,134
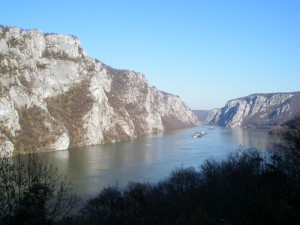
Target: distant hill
201,114
257,110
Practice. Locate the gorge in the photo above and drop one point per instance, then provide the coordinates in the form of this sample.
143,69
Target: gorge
54,96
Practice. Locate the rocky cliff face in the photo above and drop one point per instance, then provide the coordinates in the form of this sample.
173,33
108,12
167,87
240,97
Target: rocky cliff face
54,96
259,110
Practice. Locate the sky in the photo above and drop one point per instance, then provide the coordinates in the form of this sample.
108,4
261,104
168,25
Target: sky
205,51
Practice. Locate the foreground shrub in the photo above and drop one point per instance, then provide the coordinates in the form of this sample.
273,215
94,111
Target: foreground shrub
244,188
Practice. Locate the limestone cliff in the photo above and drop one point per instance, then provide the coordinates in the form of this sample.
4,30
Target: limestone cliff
259,110
54,96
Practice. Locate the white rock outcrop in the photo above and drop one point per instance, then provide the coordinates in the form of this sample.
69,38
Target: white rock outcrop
257,110
53,96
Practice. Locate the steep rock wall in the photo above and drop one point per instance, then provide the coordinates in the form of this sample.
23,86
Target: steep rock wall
259,110
54,96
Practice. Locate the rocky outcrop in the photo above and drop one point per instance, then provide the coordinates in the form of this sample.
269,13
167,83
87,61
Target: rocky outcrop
54,96
258,110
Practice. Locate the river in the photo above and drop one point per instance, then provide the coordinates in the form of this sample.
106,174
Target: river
150,158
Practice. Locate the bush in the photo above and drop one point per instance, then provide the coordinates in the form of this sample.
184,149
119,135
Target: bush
244,188
107,208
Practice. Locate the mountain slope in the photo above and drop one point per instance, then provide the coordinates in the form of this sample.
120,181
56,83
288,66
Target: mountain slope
201,115
54,96
259,110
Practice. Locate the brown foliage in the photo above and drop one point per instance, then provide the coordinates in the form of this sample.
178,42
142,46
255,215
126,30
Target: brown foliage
69,108
34,134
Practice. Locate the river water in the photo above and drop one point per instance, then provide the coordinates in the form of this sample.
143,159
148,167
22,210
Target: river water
150,158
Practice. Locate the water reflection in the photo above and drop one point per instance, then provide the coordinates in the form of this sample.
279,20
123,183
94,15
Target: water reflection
150,158
253,137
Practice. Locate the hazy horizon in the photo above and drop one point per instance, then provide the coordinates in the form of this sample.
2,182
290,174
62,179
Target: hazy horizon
207,52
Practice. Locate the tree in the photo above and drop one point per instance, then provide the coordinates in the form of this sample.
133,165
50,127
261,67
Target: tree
33,192
285,165
106,208
286,155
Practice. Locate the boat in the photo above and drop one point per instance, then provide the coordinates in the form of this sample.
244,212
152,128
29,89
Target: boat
211,128
198,134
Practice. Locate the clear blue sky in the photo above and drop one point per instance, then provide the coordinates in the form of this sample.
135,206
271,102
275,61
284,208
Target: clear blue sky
207,52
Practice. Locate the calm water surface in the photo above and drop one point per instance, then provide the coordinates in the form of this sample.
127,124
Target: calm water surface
150,158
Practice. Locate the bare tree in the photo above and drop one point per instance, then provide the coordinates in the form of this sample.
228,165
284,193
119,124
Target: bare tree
286,155
33,192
